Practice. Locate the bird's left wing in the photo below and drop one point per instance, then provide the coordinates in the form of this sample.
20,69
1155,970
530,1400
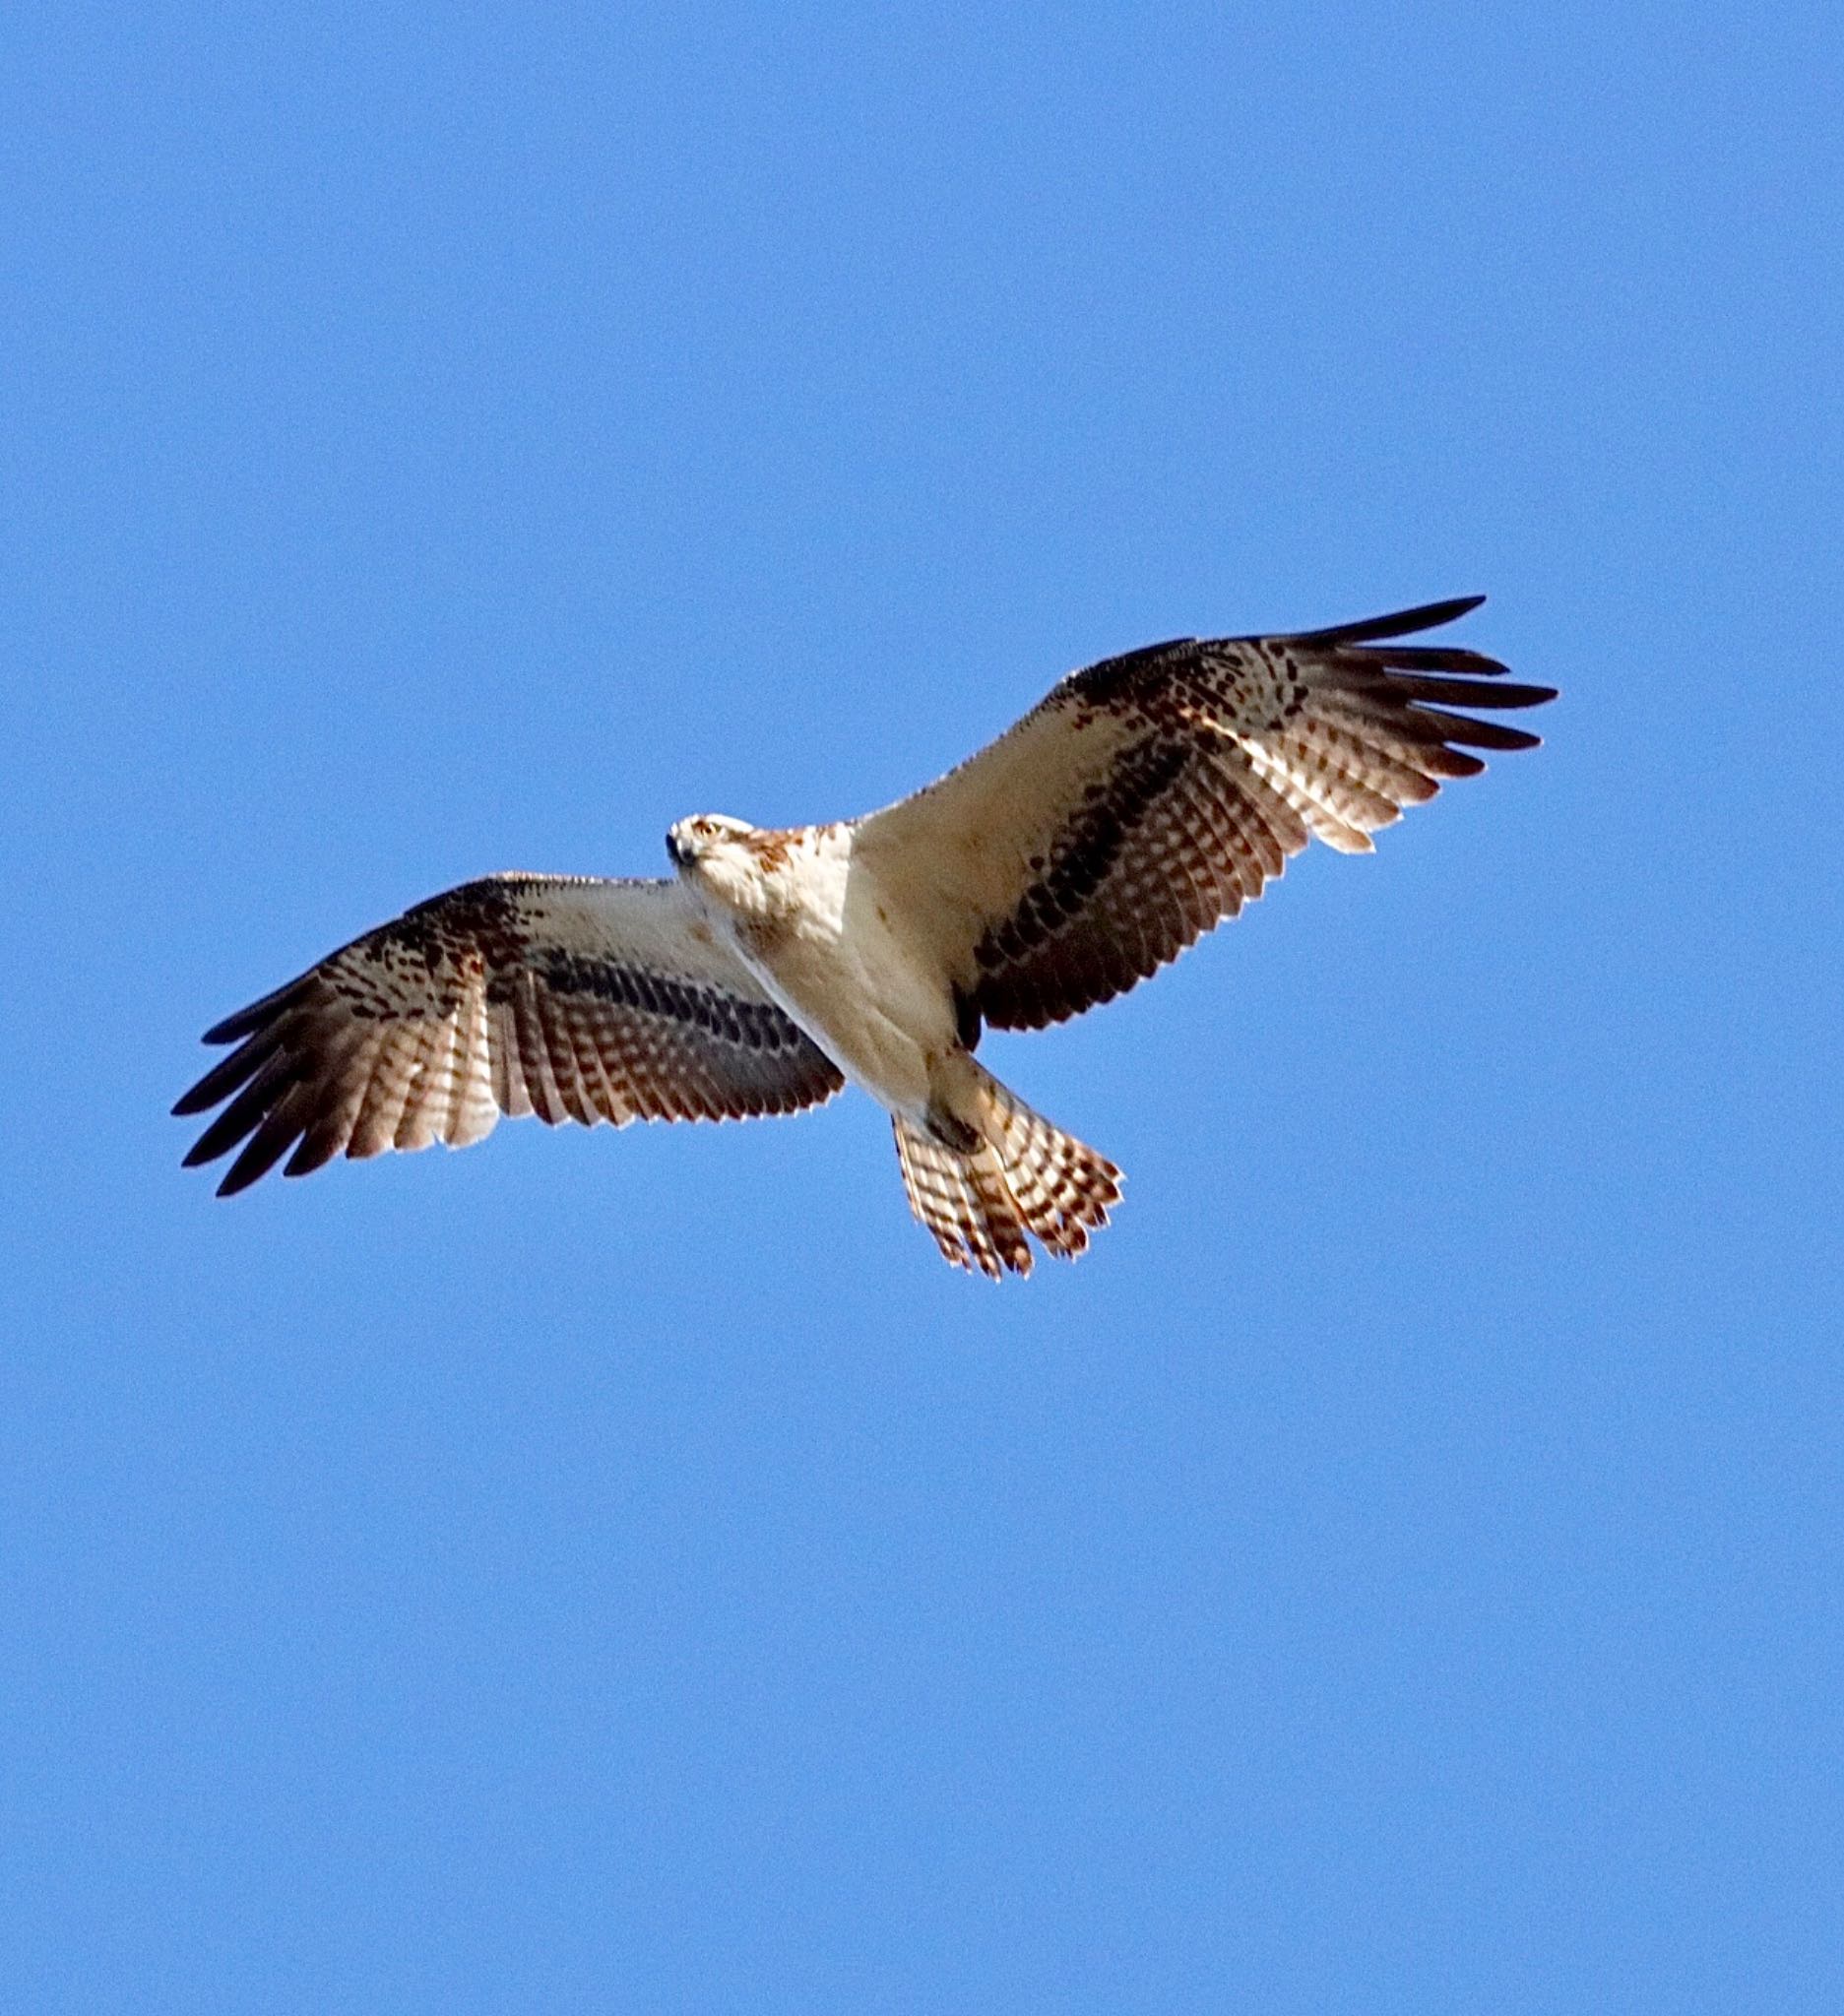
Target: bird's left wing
571,998
1151,796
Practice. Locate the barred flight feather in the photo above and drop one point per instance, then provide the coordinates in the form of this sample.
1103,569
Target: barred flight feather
1151,796
429,1028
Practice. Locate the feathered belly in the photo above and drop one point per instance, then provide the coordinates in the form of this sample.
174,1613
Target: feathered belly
859,994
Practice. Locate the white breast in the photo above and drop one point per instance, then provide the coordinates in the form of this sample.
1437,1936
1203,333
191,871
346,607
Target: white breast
864,992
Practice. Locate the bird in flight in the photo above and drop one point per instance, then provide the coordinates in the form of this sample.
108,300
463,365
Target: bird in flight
1143,801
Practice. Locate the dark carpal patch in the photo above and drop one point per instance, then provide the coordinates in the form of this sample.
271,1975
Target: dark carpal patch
480,920
1129,676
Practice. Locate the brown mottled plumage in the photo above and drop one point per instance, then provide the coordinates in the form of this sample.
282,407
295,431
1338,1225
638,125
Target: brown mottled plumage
1142,801
575,1000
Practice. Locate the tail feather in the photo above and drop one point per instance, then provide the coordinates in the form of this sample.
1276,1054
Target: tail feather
1021,1175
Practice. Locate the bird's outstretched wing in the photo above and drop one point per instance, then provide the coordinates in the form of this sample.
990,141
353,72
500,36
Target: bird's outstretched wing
1151,796
573,999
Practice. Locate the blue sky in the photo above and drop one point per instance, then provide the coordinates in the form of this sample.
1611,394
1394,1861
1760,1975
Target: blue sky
1398,1568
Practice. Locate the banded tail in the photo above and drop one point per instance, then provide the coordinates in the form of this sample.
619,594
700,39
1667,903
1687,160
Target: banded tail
1015,1174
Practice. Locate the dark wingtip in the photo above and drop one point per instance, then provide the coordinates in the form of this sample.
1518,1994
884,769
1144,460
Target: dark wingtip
229,1074
1473,733
1399,622
216,1086
247,1020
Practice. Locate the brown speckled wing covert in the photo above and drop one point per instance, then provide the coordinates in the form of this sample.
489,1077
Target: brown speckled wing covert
574,999
1151,795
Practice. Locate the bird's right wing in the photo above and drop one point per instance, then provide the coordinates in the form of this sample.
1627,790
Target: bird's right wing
1151,796
571,998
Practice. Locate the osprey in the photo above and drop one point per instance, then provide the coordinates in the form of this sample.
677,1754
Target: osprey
1143,801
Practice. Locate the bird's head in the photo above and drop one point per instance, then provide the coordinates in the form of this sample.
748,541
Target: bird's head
716,853
692,841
